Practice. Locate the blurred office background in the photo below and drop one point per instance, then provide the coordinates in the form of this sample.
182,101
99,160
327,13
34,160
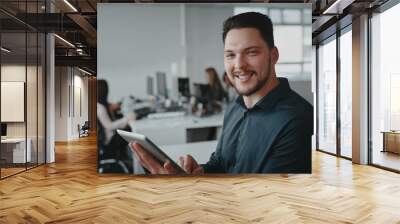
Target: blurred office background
181,40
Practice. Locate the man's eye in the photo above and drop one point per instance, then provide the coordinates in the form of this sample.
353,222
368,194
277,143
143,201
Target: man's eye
229,56
252,53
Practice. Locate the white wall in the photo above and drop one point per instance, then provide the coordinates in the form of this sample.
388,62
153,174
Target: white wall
136,41
67,115
204,39
81,103
85,99
61,103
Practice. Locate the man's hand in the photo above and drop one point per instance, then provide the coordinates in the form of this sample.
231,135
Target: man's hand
189,164
151,164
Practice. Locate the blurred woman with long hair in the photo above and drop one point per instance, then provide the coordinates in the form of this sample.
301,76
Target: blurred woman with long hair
108,124
217,91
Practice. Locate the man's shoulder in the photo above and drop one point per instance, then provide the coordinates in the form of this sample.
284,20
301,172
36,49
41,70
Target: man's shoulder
295,112
294,105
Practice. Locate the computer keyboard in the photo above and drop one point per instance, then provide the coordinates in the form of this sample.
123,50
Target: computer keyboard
166,115
142,112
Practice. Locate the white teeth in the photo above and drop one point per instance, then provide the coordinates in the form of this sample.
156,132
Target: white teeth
244,77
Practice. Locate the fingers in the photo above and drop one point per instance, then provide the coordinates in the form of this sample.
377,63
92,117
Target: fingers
189,164
181,161
151,163
139,156
169,168
146,160
198,170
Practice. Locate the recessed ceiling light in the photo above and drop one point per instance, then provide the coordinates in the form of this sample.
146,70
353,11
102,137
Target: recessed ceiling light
5,50
84,71
70,5
338,6
65,41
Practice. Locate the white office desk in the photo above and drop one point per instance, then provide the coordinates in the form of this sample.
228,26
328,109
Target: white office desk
17,147
172,131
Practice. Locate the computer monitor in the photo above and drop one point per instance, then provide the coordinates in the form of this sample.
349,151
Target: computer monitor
150,85
203,95
201,91
3,129
161,84
183,86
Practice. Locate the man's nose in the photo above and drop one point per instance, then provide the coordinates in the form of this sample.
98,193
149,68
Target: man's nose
240,62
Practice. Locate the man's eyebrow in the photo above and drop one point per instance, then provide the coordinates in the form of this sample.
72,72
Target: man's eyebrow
246,49
252,48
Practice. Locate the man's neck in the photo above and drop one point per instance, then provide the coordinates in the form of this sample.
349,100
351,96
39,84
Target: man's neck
251,100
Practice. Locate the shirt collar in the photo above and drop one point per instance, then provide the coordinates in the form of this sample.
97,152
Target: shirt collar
269,100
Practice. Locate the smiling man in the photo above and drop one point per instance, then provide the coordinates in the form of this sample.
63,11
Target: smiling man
268,128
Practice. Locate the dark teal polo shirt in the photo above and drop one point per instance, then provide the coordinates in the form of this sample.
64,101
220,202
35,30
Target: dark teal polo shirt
274,136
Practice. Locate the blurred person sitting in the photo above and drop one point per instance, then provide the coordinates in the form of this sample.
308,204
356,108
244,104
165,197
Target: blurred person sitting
106,116
217,92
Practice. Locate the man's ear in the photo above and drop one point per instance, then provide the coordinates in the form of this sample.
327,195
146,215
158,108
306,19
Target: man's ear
274,55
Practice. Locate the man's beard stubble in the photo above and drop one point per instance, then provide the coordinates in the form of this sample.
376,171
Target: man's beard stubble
259,85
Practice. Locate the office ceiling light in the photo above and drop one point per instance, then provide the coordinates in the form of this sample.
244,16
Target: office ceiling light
332,7
337,7
80,51
84,71
65,41
5,50
70,5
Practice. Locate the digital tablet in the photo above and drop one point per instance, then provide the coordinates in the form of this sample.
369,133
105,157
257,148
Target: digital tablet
150,147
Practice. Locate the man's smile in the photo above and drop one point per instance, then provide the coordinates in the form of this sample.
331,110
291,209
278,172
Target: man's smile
243,77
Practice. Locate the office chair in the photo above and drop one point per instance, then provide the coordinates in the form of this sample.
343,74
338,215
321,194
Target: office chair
109,159
84,130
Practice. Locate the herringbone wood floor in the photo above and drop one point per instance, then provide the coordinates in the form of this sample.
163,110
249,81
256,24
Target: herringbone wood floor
71,191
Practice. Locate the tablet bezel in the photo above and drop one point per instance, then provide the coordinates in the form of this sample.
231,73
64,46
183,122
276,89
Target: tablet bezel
150,147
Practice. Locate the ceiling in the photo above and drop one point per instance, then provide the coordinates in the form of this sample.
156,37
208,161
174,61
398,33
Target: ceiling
332,15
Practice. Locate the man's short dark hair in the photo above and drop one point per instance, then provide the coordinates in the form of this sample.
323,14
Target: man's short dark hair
255,20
